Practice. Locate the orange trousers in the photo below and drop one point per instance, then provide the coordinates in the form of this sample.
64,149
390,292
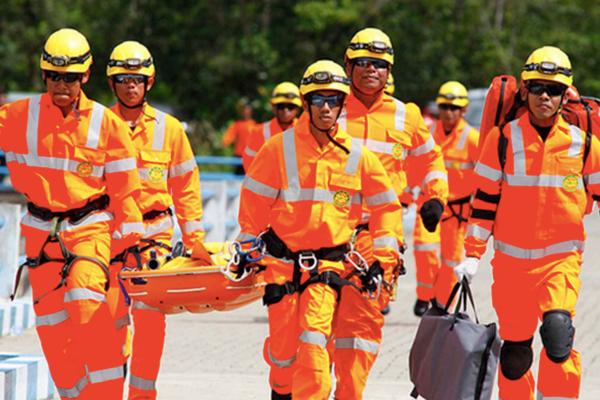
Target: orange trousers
436,279
148,329
300,327
522,291
357,330
76,330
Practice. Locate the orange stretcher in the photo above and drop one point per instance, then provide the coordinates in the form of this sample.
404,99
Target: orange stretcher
188,284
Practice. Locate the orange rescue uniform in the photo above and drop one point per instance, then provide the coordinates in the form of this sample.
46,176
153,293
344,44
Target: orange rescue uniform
258,137
169,176
60,164
397,134
312,197
238,133
534,207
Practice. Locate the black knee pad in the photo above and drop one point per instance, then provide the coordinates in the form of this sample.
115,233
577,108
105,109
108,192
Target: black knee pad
515,358
279,396
557,332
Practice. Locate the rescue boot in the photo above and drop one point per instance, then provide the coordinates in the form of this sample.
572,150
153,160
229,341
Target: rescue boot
279,396
421,306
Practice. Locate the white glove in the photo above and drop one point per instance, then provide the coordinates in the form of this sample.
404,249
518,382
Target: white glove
467,268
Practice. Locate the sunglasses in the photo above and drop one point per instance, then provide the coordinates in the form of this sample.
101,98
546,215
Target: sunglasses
68,77
375,62
129,78
319,101
285,106
448,107
552,90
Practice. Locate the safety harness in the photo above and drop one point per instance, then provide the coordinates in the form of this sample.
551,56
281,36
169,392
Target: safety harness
458,214
307,260
68,258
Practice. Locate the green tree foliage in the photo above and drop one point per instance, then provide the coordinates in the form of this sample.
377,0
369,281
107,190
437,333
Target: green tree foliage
210,53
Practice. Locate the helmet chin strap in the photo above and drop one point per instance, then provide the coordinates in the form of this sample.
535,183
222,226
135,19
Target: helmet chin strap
327,132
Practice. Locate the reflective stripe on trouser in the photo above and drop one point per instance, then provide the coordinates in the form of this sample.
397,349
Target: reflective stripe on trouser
522,291
88,338
453,242
357,332
312,378
148,338
426,249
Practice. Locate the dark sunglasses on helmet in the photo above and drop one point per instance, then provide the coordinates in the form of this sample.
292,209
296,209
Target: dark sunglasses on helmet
285,106
68,77
375,47
129,78
131,63
319,101
553,90
448,107
324,77
548,68
375,62
63,61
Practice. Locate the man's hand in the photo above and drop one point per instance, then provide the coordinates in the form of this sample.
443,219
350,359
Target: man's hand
467,268
372,277
431,212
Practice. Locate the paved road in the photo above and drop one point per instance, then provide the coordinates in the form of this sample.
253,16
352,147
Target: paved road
219,355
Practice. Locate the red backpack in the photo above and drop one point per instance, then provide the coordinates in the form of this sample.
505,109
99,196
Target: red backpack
582,111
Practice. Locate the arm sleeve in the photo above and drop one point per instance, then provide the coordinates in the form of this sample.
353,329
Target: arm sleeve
488,181
184,185
230,135
385,222
252,146
259,191
591,170
122,179
426,157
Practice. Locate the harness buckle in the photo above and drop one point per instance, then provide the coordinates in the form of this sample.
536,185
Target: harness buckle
307,260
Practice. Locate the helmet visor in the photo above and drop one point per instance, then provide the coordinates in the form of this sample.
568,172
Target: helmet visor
548,68
64,61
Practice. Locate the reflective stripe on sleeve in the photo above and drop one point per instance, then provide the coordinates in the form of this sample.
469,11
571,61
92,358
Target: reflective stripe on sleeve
260,188
77,294
386,242
388,196
490,173
357,344
316,338
426,247
450,263
51,319
125,164
132,227
478,232
182,168
160,129
141,383
158,226
399,115
592,179
534,254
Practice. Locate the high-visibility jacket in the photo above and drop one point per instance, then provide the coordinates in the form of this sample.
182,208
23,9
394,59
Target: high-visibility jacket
238,133
168,170
258,137
460,155
535,206
60,163
311,196
394,131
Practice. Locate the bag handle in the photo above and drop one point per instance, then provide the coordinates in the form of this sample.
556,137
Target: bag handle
463,289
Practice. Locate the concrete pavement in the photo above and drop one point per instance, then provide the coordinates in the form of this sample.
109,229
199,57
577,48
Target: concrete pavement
219,355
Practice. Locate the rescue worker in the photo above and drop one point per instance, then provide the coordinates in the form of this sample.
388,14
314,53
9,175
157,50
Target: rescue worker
458,141
393,130
72,158
239,131
170,178
531,181
286,105
305,189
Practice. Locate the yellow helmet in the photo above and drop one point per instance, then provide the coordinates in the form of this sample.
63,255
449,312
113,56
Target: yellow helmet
286,93
550,64
66,50
372,43
390,88
130,57
324,75
454,93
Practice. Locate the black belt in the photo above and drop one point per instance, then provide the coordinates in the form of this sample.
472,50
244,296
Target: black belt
156,213
74,214
277,248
